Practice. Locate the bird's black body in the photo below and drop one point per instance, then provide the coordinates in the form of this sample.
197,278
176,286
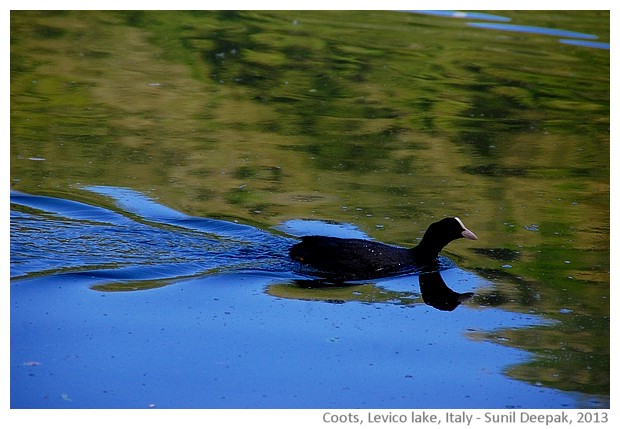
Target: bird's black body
348,258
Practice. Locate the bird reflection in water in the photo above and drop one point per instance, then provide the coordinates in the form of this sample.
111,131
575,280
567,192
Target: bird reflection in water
433,288
437,294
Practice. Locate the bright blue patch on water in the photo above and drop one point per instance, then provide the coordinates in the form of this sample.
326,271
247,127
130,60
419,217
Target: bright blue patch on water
586,43
301,227
532,30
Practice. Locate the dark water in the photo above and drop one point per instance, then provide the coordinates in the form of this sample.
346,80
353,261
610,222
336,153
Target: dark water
163,163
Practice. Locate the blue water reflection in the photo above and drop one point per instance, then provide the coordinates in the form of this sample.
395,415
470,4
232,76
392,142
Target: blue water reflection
586,43
142,241
532,30
499,24
220,333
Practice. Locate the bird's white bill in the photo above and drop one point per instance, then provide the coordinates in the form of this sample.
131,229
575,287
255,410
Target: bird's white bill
466,233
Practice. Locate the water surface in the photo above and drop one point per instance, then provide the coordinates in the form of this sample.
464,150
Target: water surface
163,162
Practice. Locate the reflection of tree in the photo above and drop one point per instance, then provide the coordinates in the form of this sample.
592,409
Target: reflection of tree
560,363
570,353
434,292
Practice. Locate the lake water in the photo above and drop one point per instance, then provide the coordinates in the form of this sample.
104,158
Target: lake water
162,164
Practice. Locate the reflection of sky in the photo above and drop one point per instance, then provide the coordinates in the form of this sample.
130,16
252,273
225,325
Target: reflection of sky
586,43
532,30
216,336
220,342
299,227
517,28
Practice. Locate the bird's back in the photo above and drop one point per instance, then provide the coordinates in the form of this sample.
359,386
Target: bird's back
350,257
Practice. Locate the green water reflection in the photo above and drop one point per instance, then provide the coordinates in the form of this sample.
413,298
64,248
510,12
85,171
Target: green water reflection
385,120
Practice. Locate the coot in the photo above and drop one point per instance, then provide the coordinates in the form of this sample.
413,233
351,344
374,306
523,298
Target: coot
351,258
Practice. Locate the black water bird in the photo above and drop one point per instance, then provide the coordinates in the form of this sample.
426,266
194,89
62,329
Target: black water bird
352,258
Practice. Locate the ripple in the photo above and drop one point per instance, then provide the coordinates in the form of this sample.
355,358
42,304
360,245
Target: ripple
141,242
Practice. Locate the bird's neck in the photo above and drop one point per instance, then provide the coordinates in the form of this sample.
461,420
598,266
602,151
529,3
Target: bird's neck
426,251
